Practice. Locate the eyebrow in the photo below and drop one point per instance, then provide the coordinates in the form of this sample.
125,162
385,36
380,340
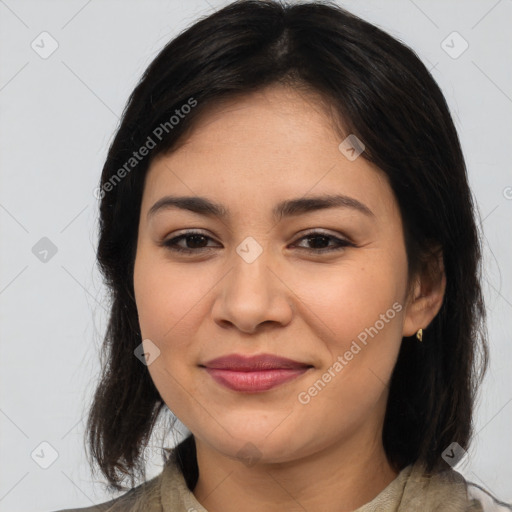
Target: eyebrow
288,208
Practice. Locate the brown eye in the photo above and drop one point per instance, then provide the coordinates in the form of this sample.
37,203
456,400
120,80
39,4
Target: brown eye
194,242
320,242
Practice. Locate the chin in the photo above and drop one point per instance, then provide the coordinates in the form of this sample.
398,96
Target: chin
253,445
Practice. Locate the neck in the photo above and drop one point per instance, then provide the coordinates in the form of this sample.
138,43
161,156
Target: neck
340,478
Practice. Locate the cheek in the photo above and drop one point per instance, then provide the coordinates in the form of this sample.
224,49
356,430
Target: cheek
358,310
351,298
168,299
169,307
357,314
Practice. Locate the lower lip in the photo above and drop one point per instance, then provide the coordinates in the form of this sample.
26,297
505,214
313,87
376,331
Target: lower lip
256,381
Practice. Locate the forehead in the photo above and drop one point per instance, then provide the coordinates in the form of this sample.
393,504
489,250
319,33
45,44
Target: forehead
275,110
270,145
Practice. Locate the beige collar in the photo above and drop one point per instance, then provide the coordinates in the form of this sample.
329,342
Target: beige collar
410,491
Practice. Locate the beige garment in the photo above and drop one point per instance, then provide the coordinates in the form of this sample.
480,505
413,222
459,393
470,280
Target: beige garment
410,491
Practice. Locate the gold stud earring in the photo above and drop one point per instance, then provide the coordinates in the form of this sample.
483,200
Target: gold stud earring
419,334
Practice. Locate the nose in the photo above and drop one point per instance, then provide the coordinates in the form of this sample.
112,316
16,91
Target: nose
250,295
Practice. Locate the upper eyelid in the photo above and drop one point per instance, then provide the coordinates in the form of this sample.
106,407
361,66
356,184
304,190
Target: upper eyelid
310,231
197,231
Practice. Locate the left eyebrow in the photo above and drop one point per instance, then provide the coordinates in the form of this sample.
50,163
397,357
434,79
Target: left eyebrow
288,208
303,205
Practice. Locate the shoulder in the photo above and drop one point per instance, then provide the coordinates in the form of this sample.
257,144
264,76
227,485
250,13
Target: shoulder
448,486
124,502
487,502
166,491
142,497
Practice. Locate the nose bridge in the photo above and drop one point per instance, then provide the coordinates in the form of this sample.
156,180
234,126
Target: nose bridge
252,268
250,287
251,294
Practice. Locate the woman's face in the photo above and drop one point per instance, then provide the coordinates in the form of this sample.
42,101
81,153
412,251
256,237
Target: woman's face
252,283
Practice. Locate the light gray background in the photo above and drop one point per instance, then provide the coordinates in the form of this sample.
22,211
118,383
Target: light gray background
58,116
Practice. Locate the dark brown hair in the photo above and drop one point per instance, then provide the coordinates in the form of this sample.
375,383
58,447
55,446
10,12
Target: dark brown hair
383,94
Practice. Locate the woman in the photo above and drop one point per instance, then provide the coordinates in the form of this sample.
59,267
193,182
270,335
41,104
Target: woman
289,238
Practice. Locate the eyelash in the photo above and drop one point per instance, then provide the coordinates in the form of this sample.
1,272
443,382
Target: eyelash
171,243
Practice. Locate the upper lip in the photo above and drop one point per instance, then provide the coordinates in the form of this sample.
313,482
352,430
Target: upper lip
238,362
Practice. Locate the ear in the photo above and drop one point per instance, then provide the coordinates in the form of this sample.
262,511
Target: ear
426,294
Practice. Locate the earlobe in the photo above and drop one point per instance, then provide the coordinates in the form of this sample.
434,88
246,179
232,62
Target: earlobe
426,297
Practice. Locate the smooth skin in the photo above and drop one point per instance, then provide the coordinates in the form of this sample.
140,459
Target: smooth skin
249,154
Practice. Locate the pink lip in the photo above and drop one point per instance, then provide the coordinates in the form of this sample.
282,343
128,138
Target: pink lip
254,373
